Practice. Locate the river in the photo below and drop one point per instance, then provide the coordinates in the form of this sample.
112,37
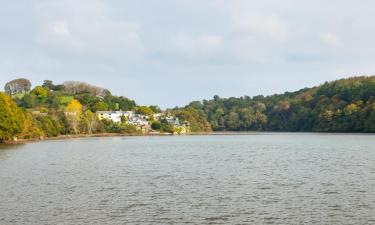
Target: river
260,178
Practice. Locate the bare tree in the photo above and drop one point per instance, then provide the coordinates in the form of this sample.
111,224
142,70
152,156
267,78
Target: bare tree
76,87
17,86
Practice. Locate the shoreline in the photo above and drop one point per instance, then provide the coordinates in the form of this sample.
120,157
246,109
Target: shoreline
73,136
228,133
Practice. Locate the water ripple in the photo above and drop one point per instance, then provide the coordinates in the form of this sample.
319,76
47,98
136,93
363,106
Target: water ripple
255,179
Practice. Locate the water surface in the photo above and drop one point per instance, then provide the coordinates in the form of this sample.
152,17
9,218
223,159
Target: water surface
230,179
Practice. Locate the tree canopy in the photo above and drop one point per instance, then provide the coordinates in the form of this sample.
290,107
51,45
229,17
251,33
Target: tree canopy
17,86
14,122
11,118
345,105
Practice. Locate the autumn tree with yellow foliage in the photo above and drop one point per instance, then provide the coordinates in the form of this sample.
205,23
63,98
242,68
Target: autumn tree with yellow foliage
73,112
11,118
14,122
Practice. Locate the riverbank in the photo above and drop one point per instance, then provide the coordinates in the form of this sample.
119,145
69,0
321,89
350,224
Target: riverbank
64,137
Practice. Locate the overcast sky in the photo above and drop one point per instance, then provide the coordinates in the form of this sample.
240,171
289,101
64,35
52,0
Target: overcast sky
169,52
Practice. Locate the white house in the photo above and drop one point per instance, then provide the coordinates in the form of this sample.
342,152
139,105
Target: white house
70,113
114,116
138,122
128,114
158,116
173,121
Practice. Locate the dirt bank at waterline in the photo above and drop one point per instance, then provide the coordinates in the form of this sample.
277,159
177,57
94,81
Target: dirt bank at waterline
64,137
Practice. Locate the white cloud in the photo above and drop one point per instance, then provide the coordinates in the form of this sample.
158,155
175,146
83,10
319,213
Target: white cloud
61,28
195,46
76,31
262,26
330,39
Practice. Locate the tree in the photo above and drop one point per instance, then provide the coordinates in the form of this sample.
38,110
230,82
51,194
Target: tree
11,118
155,109
196,118
260,107
51,127
147,111
124,119
28,101
350,109
342,105
76,87
122,103
100,106
30,128
40,92
167,128
48,84
232,121
89,122
73,114
156,125
17,86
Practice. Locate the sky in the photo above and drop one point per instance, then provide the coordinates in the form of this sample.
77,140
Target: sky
170,52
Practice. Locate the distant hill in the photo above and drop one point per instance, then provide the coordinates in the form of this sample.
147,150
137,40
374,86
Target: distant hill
73,108
346,105
48,110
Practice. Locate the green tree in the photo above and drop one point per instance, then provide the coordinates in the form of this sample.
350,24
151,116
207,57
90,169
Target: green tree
28,101
156,125
89,122
147,111
100,106
40,92
49,126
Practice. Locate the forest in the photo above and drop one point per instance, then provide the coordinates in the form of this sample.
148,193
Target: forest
49,110
346,105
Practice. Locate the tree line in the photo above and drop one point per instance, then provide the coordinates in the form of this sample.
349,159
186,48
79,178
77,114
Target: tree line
47,110
346,105
50,110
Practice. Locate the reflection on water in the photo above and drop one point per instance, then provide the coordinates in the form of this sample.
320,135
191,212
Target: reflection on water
9,147
243,179
5,150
